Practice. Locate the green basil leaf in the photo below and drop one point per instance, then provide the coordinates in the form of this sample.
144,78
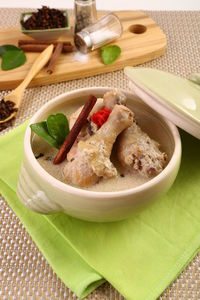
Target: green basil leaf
110,53
41,130
12,59
6,48
58,127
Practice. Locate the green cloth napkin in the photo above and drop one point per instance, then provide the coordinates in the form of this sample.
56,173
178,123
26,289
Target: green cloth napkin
139,256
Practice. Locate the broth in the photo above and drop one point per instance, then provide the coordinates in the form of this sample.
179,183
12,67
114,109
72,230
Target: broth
124,180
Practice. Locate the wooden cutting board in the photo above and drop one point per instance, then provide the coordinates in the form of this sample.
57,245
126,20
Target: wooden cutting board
142,41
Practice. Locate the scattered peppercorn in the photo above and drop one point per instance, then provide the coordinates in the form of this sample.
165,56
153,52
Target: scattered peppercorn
45,18
5,125
6,109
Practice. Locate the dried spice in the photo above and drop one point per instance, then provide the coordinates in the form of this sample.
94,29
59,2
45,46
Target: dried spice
41,47
7,124
54,58
6,109
78,125
42,42
45,18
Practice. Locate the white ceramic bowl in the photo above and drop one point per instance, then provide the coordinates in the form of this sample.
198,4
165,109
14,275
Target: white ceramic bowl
42,193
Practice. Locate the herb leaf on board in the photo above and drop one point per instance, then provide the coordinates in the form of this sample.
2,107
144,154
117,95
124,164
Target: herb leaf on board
12,59
6,48
110,53
58,127
41,130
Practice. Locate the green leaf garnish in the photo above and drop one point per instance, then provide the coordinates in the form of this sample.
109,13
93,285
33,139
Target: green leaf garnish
110,53
58,127
54,130
6,48
41,130
12,59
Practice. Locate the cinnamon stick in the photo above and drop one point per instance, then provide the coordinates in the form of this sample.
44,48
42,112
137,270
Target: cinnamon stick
54,58
41,47
42,42
80,122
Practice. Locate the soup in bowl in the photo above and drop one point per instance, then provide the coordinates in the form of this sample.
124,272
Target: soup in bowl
125,156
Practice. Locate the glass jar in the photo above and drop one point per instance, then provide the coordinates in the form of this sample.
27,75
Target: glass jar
102,32
84,14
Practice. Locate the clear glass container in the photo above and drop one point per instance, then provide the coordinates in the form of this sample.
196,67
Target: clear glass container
84,14
102,32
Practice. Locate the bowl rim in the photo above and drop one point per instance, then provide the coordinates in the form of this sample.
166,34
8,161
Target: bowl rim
44,30
176,155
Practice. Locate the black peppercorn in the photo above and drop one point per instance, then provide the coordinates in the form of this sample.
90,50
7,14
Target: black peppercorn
45,18
6,109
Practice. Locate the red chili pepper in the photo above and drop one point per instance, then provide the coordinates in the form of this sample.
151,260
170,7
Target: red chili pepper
101,116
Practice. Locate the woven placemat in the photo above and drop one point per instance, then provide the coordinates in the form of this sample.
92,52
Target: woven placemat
24,272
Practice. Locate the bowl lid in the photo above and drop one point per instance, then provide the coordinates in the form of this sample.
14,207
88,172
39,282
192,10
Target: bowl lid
173,97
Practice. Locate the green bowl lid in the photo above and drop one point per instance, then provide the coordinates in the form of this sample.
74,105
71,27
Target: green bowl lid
175,98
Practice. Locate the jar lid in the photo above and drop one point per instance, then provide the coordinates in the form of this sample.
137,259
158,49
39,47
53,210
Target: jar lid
83,41
175,98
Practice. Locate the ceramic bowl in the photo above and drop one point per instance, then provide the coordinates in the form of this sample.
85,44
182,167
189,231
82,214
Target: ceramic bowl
42,193
45,34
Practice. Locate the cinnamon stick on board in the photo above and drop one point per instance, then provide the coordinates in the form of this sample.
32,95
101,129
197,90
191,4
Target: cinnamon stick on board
78,125
54,58
41,47
42,42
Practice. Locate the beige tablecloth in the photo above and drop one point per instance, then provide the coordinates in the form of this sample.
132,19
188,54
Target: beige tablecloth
24,272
